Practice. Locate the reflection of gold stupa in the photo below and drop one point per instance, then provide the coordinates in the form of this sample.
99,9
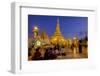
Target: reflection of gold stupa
57,37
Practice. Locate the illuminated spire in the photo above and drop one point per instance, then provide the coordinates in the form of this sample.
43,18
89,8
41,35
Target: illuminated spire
57,37
58,20
58,32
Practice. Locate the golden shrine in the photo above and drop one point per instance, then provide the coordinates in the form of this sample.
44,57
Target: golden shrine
57,37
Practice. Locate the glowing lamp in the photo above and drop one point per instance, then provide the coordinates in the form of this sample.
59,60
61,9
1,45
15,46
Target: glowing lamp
38,43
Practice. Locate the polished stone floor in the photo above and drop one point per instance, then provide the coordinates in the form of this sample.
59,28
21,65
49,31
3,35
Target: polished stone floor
74,54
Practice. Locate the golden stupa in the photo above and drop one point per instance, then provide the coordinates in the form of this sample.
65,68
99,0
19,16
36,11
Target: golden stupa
57,37
44,38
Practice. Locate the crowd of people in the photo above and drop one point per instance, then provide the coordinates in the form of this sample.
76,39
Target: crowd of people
49,53
53,52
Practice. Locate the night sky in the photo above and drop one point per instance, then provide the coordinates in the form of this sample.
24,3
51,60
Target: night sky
70,25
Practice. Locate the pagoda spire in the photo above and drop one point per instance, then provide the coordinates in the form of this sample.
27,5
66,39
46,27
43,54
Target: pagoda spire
58,32
57,20
57,37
